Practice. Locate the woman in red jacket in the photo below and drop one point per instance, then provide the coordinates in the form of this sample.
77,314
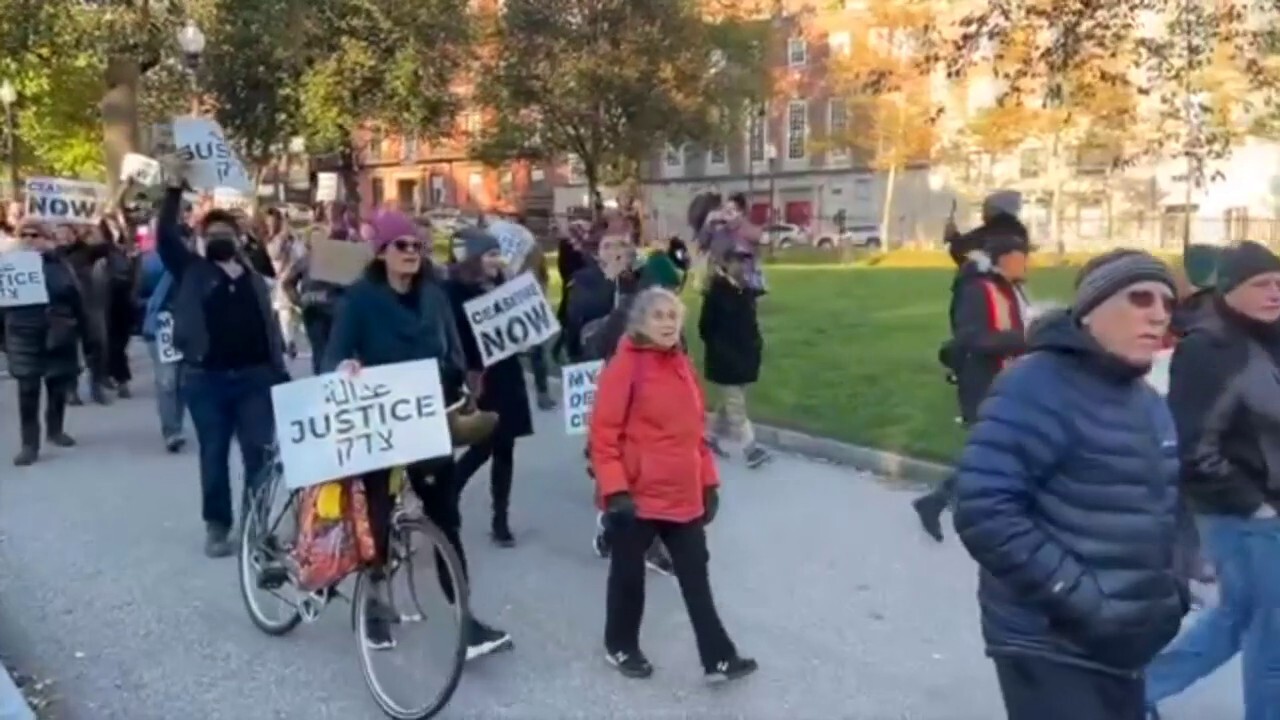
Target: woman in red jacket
656,478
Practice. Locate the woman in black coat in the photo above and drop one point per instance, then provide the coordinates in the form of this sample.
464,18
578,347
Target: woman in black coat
43,345
500,387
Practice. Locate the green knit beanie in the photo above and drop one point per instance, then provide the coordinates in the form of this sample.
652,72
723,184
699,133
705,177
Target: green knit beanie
1201,265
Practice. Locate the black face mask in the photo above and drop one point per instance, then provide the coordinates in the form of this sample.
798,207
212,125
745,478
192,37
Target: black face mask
220,248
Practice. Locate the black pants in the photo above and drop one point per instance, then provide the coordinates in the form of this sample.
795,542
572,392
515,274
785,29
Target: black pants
538,365
119,330
433,481
1036,689
687,543
317,325
503,452
55,411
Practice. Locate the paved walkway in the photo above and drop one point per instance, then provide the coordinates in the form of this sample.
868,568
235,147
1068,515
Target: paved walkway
820,572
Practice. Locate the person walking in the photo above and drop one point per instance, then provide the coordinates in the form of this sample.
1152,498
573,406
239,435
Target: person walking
398,312
656,478
1066,498
155,293
232,352
285,252
119,271
87,251
42,344
570,258
1225,399
498,388
733,351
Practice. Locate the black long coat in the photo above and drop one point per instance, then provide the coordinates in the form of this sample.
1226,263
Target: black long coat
45,340
730,332
503,389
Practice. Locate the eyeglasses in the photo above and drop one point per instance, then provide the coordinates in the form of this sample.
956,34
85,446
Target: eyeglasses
30,235
409,247
1145,299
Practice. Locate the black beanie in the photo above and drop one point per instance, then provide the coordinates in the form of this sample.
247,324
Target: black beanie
1244,262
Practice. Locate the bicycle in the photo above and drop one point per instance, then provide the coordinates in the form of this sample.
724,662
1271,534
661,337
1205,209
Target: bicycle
266,563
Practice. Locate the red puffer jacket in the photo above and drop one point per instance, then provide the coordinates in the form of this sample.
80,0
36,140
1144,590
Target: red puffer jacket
647,433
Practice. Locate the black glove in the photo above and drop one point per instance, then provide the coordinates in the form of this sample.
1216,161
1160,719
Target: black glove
620,506
710,504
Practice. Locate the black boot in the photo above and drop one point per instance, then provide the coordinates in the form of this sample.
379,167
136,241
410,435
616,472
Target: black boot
55,416
26,456
929,509
29,420
502,536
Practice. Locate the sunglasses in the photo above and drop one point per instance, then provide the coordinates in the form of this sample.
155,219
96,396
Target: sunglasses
409,247
1145,299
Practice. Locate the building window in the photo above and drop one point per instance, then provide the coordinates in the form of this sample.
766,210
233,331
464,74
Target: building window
376,192
471,123
758,136
840,44
797,52
838,128
407,195
409,148
375,145
718,156
674,156
1031,164
475,181
1093,160
437,190
577,171
797,129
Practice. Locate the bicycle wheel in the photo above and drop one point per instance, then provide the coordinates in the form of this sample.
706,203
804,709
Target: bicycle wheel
416,680
265,537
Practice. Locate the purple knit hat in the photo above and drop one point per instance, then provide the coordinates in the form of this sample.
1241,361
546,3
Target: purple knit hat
390,225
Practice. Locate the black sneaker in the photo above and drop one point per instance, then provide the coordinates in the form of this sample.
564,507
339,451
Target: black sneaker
631,664
501,534
929,509
25,457
732,669
756,456
98,394
62,440
175,444
483,640
546,402
74,399
658,560
377,627
216,544
600,542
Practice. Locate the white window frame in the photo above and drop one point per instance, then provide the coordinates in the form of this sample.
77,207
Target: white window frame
797,51
723,162
409,148
758,120
673,157
797,152
838,153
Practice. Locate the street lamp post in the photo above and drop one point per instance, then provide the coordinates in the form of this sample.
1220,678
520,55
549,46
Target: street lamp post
8,96
191,40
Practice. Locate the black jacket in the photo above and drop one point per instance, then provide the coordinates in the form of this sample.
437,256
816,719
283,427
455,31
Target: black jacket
732,344
1066,498
45,340
982,301
1225,397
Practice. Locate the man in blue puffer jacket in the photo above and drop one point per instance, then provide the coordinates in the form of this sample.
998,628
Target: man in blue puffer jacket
155,288
1066,497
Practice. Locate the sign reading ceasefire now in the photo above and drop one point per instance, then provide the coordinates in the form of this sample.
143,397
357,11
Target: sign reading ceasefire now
59,201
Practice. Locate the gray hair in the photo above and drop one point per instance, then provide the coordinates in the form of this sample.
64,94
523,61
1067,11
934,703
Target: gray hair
644,303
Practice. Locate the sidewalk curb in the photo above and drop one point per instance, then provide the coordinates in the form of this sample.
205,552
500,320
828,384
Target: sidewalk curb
13,706
889,465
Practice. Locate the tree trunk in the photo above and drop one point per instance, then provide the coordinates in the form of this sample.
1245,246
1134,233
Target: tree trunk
1055,196
886,212
349,171
119,114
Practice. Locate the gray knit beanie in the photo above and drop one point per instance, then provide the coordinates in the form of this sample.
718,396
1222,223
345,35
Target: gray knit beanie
1114,271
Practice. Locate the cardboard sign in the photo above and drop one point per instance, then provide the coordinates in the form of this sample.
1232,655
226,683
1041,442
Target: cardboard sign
511,319
74,202
141,170
617,255
1158,376
579,385
213,164
515,242
164,339
326,187
334,426
22,279
225,198
338,261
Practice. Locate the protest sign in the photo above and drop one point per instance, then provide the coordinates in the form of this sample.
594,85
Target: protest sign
514,242
338,261
213,164
75,202
140,170
164,339
337,426
22,279
1158,376
579,385
326,186
225,198
511,318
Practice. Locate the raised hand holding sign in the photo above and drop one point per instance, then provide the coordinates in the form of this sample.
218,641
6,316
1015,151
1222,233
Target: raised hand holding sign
213,163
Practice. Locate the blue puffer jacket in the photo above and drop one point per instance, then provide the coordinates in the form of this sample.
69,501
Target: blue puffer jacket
1066,497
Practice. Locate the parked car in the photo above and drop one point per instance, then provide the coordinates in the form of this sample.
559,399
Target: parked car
781,236
854,236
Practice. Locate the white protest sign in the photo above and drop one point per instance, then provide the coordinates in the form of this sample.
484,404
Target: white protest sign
1158,376
579,385
22,279
225,198
514,242
164,339
76,202
511,318
336,426
326,186
141,169
213,164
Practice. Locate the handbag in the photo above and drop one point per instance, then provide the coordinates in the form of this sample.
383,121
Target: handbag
469,426
335,537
